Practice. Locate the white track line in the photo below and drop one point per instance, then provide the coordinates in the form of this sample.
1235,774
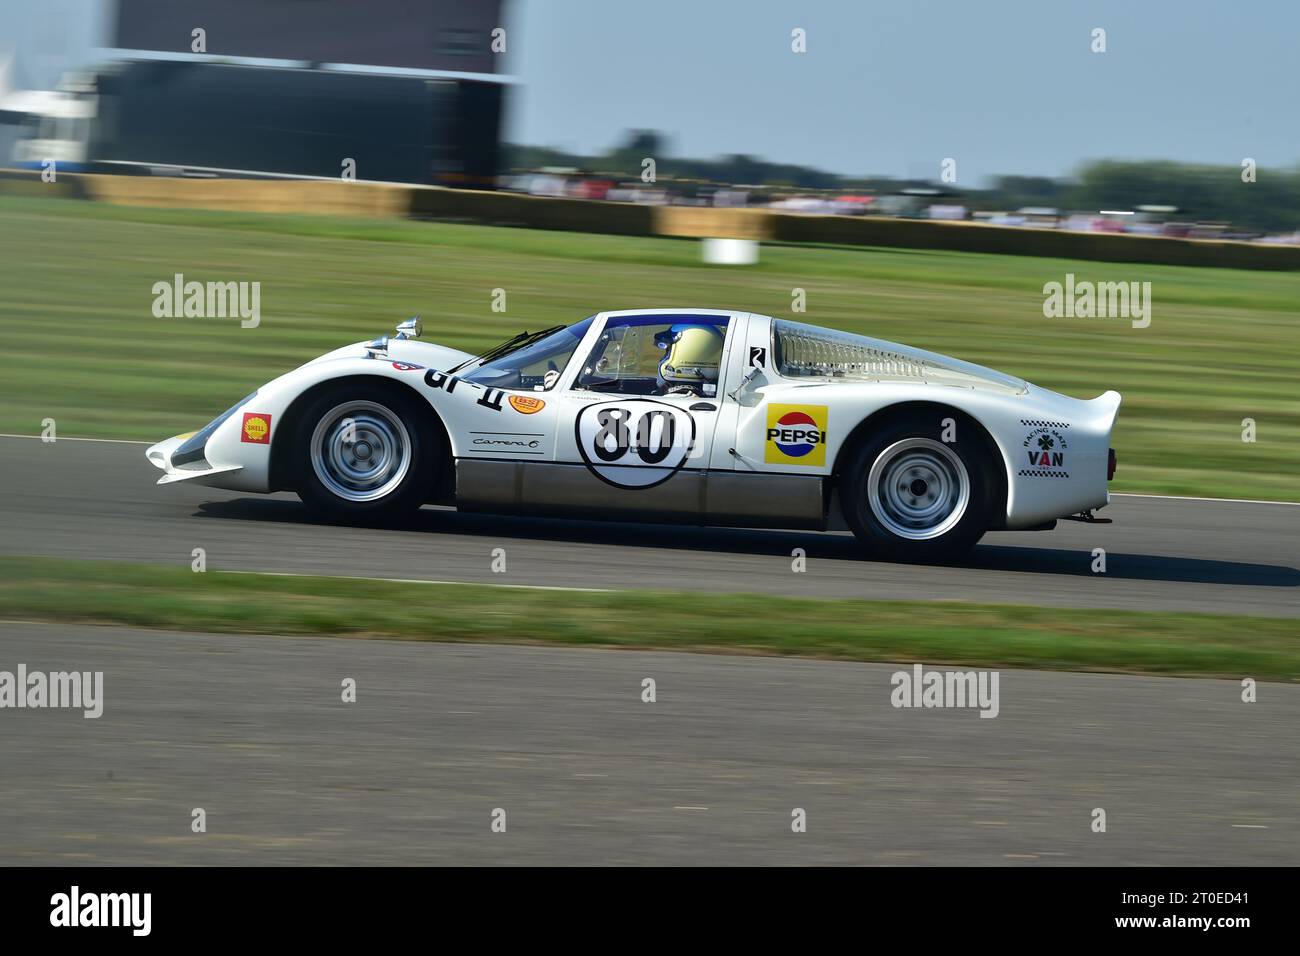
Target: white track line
1116,494
106,441
1241,501
472,584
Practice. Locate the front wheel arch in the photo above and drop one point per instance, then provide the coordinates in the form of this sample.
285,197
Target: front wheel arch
282,474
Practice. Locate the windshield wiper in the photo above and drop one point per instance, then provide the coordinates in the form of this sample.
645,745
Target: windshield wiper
522,340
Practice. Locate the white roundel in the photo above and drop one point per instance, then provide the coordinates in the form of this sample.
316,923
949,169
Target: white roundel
635,442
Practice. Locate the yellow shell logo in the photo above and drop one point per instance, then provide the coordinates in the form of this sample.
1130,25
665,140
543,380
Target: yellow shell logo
257,428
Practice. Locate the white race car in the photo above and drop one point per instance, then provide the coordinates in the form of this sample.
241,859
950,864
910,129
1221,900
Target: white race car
669,415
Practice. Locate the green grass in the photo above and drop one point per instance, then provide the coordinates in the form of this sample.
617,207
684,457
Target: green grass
987,635
84,348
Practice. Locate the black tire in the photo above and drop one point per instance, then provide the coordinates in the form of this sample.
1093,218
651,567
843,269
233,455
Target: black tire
919,512
386,425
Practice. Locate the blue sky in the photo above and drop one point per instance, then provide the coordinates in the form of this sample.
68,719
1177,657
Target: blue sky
887,87
894,86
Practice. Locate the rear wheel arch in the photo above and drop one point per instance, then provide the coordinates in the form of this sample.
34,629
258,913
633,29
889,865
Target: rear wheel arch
283,477
872,424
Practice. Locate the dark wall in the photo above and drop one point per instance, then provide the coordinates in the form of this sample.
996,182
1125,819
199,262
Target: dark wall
422,34
299,122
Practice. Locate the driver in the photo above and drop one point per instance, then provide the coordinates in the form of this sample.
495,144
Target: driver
694,353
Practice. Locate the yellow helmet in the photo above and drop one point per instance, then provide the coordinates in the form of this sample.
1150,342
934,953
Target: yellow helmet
694,353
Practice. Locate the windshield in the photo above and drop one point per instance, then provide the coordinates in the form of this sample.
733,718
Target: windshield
536,366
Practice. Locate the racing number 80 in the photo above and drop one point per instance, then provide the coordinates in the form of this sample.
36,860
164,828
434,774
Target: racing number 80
652,443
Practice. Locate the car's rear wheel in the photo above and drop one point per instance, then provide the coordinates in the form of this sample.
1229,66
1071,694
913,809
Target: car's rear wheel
908,494
365,452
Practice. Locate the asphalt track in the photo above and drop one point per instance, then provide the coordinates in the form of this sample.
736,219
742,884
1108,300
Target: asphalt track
98,500
254,731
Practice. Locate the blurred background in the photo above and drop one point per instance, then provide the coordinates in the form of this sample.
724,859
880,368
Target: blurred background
1016,117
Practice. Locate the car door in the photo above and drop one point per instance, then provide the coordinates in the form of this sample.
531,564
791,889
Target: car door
638,421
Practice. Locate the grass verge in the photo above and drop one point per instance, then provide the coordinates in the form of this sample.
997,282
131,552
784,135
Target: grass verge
986,635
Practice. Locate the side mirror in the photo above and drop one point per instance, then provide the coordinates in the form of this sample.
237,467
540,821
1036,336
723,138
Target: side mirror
412,328
744,391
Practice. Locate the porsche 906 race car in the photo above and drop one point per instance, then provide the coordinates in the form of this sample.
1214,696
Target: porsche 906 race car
668,415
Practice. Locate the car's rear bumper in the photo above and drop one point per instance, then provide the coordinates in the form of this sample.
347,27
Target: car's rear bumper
1064,461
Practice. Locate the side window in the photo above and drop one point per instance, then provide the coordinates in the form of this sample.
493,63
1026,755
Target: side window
656,355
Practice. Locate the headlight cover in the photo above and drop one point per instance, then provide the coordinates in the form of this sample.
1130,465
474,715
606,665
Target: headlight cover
192,448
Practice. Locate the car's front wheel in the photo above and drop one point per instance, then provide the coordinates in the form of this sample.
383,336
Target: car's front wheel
365,452
908,494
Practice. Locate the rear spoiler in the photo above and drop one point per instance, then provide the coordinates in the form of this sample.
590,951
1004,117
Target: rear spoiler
1105,407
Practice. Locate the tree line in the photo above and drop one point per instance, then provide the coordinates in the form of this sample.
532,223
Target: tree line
1265,199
